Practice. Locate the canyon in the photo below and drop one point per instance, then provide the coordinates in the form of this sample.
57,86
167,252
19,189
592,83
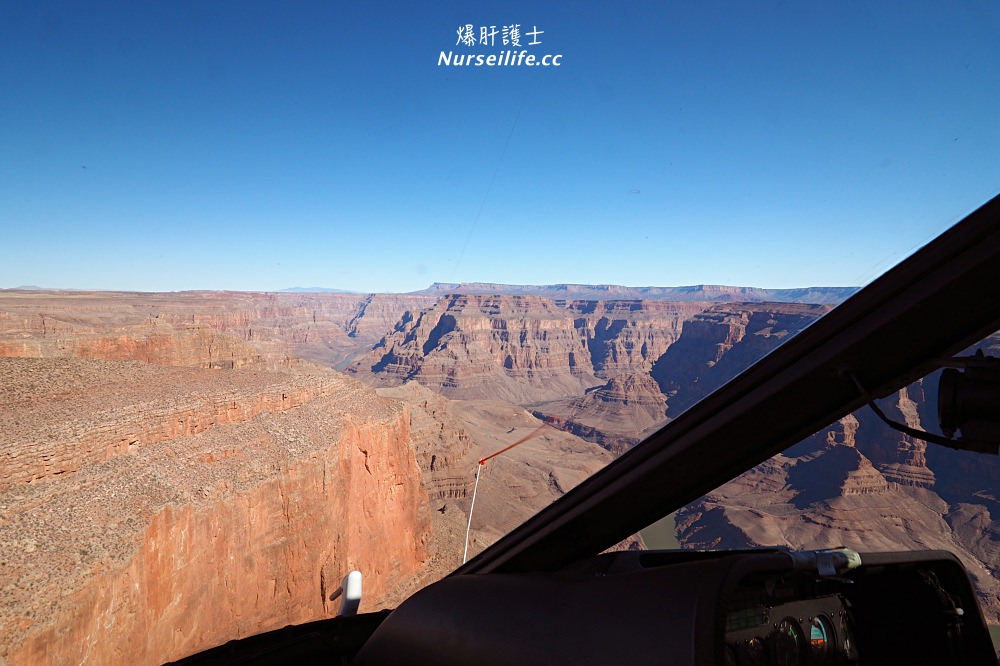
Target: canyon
858,483
178,470
216,485
611,370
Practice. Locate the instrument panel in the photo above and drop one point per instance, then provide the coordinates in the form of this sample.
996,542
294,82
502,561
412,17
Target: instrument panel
765,607
813,632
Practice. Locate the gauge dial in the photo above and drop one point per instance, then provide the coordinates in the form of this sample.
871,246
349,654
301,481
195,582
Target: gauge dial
821,636
789,645
756,653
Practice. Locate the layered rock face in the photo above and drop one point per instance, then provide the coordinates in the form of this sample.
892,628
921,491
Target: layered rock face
719,343
514,348
75,426
686,351
156,342
255,532
376,314
858,483
606,368
611,370
617,415
523,349
198,329
626,337
237,521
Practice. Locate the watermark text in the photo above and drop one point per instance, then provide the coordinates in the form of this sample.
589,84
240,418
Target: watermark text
514,35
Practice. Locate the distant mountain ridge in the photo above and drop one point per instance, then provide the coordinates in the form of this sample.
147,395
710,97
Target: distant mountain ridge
701,292
569,292
316,290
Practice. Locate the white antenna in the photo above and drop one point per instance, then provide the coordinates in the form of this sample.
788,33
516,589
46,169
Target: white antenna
469,528
534,433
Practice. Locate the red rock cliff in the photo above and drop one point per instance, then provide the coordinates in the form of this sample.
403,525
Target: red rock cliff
176,546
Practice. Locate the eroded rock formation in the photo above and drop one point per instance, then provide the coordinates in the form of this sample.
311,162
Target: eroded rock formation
687,350
54,434
721,342
237,522
626,337
615,415
515,348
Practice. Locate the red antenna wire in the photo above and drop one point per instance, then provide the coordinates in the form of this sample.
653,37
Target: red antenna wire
548,422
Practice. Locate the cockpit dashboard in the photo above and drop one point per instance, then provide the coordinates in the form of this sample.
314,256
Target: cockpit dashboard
746,608
767,607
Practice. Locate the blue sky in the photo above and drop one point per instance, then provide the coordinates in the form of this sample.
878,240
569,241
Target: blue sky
178,144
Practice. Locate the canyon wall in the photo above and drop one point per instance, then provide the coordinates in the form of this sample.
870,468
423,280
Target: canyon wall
193,537
75,425
719,343
515,348
662,357
613,371
523,349
626,337
198,329
858,483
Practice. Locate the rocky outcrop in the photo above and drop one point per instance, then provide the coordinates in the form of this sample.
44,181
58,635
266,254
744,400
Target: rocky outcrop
49,435
524,349
378,313
210,534
837,469
662,357
721,342
159,344
616,415
626,337
514,348
552,355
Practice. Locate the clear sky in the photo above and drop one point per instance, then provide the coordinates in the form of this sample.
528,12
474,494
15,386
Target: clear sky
233,144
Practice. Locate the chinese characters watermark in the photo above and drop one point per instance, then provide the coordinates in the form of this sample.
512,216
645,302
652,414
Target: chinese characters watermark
510,35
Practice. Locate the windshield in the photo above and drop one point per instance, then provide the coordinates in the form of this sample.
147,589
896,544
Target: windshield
290,292
863,484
